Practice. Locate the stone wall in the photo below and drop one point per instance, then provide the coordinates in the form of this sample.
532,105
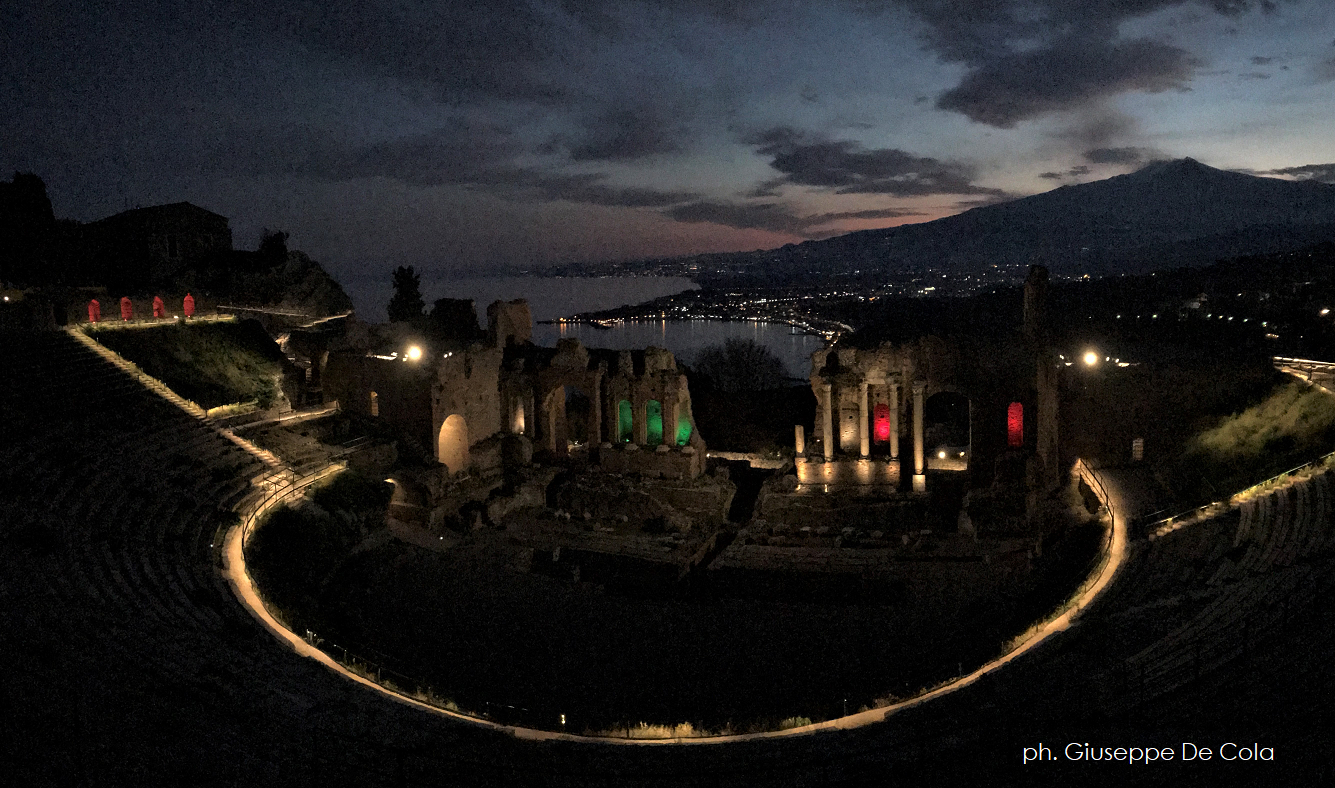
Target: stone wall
666,462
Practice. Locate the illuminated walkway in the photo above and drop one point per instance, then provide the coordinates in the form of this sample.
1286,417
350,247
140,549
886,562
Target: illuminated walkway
1115,551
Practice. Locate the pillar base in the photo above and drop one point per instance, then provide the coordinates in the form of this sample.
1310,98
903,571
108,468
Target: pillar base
919,482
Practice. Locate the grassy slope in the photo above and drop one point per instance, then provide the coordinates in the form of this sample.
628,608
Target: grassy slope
211,364
1296,423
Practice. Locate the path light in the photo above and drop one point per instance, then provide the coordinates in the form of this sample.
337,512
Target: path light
1091,358
414,353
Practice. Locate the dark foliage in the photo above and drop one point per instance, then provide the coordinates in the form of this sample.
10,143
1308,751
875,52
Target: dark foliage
273,247
740,365
407,303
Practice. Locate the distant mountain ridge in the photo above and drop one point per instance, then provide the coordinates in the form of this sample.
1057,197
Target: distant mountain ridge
1167,214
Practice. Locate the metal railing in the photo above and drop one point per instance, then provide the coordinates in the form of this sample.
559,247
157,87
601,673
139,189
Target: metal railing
1154,527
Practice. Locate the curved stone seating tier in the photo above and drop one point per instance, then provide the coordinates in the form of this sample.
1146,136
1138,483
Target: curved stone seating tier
129,662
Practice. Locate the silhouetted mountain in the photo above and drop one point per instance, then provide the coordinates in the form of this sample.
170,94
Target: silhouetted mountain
1168,214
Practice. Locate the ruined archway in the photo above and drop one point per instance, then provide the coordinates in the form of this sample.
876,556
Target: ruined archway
653,421
579,416
452,443
517,416
625,422
684,425
881,422
946,435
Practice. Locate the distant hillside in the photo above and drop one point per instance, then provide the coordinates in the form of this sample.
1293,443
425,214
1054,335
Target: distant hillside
1166,215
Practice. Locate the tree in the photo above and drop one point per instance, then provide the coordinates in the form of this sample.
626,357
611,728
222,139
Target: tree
407,303
273,247
741,365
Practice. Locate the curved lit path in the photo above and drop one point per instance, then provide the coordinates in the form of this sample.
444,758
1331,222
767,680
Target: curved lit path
130,662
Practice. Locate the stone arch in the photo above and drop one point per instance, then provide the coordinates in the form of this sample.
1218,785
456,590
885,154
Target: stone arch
684,426
579,415
625,422
452,443
1015,425
517,421
653,422
946,427
553,421
880,421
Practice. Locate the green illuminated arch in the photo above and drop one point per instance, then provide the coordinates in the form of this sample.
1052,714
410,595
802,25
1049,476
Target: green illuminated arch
683,431
653,411
625,422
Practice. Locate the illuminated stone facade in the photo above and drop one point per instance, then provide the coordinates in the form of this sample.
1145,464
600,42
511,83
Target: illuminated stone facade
961,403
625,411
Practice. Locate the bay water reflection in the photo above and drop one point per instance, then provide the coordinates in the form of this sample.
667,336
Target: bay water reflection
686,338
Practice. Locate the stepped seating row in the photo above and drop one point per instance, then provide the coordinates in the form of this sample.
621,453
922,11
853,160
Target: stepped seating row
140,668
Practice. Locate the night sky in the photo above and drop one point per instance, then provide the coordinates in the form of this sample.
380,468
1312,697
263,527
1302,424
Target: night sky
487,134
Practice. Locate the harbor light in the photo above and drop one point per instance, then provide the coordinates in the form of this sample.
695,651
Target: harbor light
1091,358
414,353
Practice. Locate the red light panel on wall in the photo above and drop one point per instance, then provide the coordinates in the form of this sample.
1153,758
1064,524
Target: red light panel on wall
1015,424
881,422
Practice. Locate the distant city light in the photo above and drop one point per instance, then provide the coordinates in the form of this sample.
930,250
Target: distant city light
414,353
1091,358
1325,311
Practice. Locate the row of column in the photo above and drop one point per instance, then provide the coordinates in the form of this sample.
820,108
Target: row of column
864,429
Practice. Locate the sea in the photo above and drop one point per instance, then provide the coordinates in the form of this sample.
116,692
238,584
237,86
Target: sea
550,298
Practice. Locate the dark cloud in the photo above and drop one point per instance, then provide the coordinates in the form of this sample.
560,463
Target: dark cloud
1029,57
462,51
586,188
628,134
752,216
771,216
1253,75
1072,72
1325,70
459,154
1074,172
848,168
1121,156
1308,172
1261,61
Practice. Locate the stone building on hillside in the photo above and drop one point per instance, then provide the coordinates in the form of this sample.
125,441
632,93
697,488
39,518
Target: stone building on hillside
144,246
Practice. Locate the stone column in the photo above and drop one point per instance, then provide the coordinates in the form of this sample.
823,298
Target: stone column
828,437
894,420
670,421
800,440
640,419
864,435
595,428
919,466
